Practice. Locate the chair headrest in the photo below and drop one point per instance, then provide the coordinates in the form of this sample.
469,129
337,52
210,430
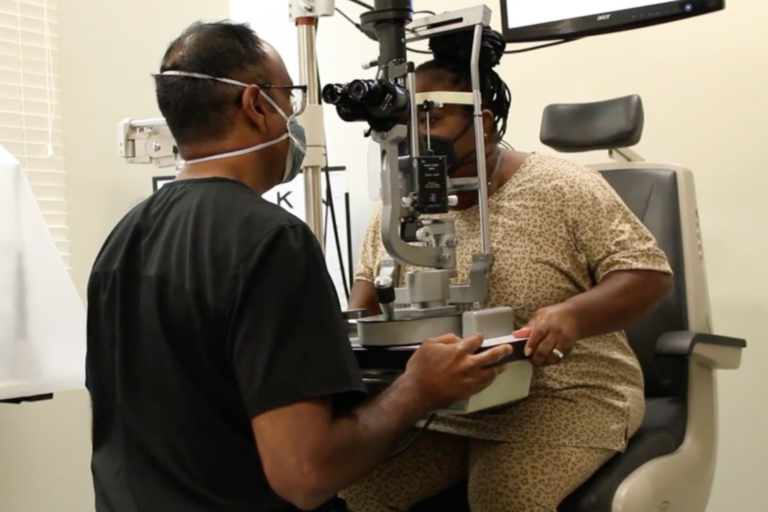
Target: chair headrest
603,125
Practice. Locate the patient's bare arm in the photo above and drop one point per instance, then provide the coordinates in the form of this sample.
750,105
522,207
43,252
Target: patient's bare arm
363,296
620,300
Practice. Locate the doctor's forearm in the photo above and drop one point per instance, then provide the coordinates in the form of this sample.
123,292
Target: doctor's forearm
622,299
358,442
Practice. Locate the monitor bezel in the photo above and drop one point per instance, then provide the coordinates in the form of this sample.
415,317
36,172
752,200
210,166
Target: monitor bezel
608,22
159,181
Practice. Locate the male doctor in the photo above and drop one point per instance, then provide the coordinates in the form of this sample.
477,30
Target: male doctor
219,365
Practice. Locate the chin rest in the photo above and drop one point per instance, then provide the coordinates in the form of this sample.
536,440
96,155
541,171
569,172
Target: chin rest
669,464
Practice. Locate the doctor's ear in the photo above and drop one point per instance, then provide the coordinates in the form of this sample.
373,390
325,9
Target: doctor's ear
254,107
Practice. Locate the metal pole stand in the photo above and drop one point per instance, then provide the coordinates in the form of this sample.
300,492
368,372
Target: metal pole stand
306,15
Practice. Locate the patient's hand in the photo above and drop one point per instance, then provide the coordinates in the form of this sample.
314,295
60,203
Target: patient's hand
551,330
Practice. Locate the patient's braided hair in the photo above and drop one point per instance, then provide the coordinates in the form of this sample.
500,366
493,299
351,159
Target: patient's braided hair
452,61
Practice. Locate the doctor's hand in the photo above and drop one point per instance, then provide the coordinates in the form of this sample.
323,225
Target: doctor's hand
552,334
448,369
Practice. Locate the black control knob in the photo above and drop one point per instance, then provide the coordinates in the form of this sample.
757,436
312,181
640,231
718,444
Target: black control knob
385,294
385,291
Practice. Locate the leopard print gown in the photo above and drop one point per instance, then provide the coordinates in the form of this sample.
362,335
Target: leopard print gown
556,229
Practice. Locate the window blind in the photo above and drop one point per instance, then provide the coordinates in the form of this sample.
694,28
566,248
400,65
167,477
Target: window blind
30,109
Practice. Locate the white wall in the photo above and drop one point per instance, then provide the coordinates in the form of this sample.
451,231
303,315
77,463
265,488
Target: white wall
704,85
108,50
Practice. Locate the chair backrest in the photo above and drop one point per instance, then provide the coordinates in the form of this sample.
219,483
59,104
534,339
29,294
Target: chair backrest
663,197
652,195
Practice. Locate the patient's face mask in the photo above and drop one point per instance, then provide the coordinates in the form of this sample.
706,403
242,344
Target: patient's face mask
297,140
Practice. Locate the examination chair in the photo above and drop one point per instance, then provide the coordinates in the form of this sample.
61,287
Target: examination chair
669,463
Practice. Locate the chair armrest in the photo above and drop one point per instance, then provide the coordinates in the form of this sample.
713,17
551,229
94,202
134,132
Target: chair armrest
720,352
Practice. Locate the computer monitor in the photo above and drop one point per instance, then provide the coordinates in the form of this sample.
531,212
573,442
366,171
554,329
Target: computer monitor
159,181
550,20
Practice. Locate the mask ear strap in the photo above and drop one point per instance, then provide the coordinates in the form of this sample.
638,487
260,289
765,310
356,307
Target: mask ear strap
202,76
240,152
274,105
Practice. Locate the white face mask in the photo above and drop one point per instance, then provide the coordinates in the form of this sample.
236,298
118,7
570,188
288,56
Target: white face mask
295,133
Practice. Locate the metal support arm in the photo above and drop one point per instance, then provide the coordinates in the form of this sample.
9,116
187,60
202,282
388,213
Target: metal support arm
147,141
392,184
306,15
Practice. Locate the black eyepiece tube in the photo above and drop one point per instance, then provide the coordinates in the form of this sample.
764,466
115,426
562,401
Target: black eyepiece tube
334,94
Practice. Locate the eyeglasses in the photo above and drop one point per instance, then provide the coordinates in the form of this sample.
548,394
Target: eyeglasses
298,95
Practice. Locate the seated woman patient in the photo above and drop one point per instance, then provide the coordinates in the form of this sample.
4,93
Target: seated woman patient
576,266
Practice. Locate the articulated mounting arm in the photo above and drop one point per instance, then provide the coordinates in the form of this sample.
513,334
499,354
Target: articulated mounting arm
147,141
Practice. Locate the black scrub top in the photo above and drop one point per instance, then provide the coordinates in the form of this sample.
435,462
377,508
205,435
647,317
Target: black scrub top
207,306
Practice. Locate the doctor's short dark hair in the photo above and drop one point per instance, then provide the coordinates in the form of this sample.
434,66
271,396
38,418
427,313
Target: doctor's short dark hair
199,110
